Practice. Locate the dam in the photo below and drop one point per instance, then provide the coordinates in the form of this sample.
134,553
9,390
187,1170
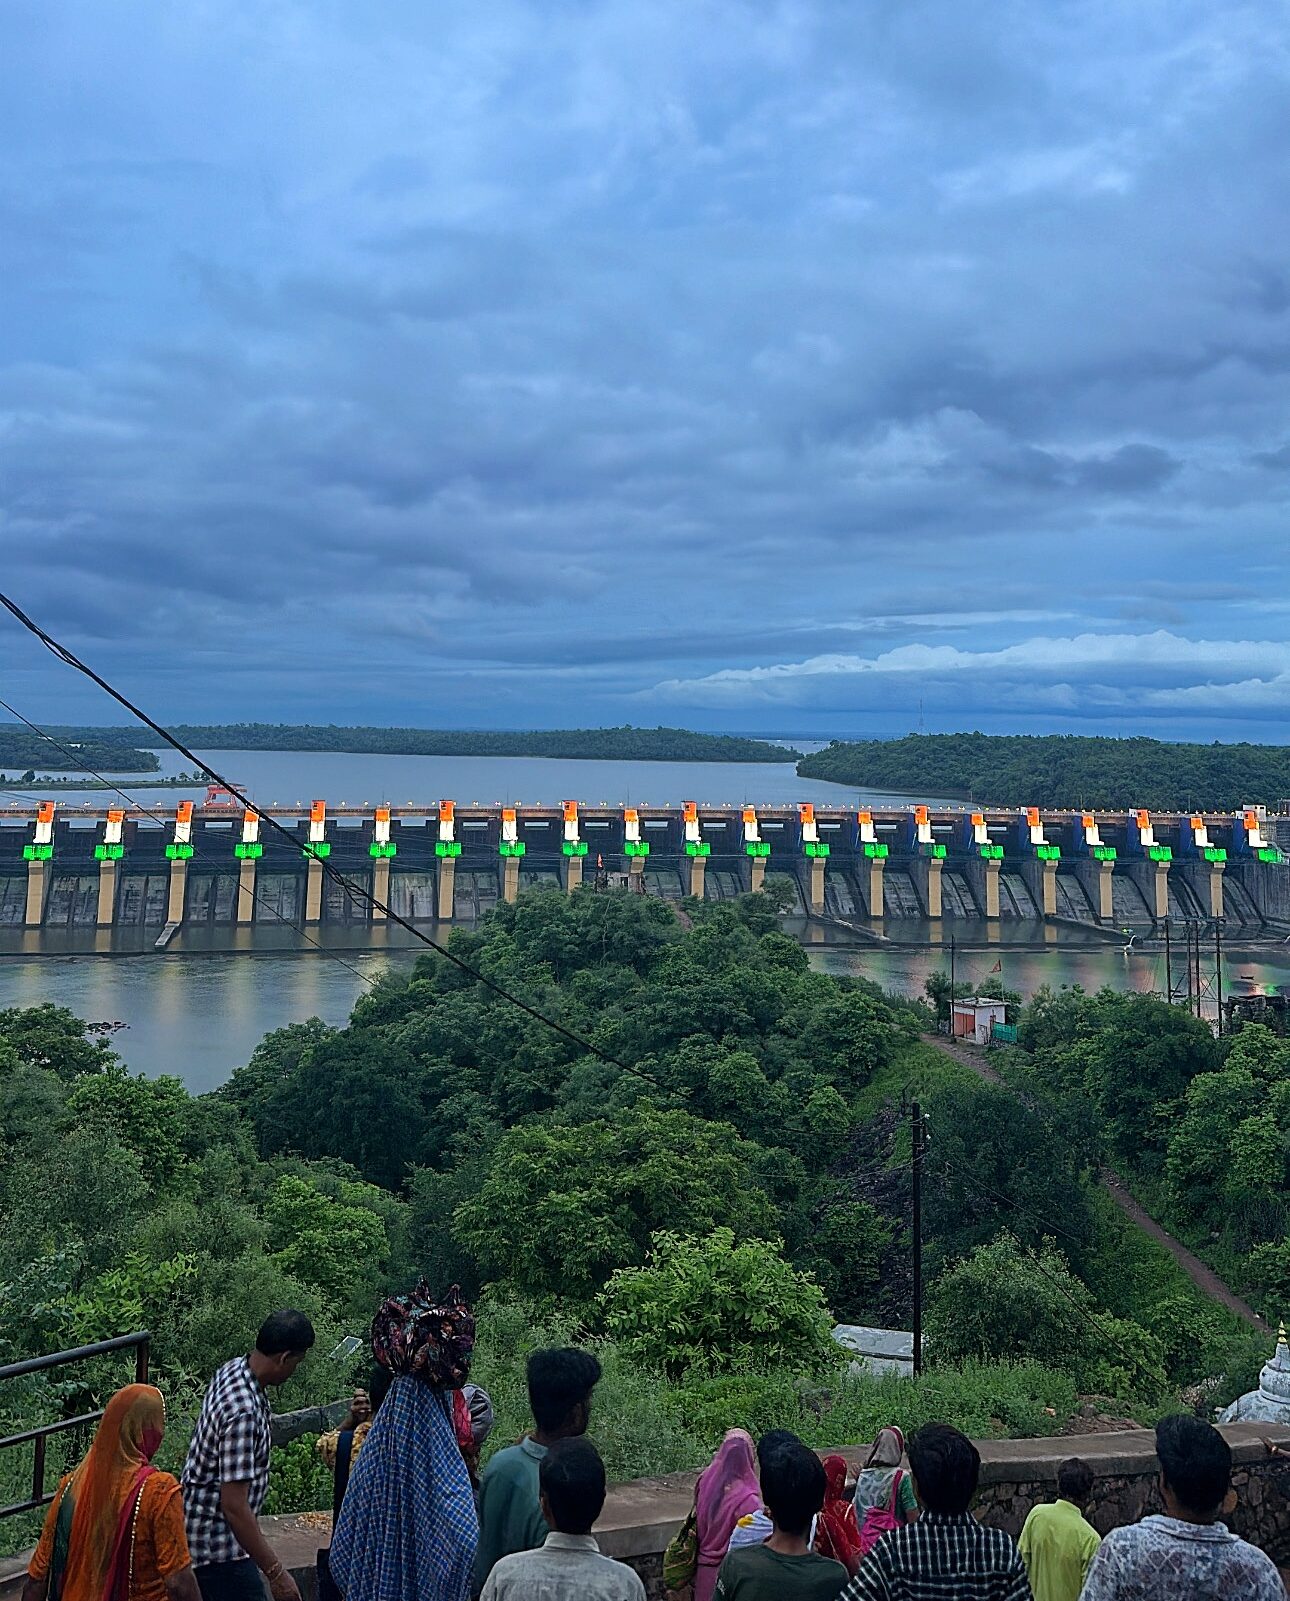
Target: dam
216,863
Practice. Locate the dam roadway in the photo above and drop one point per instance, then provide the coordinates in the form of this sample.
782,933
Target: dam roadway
95,866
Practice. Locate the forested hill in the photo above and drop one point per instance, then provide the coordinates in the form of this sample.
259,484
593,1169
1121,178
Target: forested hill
612,744
1060,770
106,750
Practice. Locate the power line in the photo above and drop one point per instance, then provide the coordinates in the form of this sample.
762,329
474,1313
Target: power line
361,892
1032,1257
157,817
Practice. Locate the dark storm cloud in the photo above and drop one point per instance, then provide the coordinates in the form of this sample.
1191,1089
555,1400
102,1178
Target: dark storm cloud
589,360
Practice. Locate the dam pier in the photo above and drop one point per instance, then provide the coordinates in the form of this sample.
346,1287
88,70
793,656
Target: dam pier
873,869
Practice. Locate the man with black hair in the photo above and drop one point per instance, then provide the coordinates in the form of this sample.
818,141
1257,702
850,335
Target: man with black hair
510,1513
947,1555
1057,1542
1184,1554
568,1566
226,1475
784,1566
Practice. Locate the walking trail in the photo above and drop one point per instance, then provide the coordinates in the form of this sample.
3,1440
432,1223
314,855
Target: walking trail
1204,1278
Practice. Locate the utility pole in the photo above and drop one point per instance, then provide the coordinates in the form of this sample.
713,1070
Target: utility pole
951,986
1169,967
1218,970
1191,996
1200,1003
918,1237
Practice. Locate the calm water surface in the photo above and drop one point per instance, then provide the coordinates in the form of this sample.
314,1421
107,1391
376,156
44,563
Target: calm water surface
200,1016
291,777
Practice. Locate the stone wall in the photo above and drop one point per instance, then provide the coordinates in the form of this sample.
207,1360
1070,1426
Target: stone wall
1017,1474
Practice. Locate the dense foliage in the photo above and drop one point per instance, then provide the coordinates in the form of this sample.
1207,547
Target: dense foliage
1200,1127
699,1196
611,744
1060,770
24,754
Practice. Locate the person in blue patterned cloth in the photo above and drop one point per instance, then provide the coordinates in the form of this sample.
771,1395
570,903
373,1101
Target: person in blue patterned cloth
947,1555
1186,1554
407,1529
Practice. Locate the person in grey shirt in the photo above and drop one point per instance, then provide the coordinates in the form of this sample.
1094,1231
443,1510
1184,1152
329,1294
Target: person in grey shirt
569,1565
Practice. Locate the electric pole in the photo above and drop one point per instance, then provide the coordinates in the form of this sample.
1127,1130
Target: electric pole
918,1236
1169,967
1218,970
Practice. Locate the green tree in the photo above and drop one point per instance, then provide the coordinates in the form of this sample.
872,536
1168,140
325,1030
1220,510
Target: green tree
148,1116
338,1248
52,1037
560,1207
1004,1301
721,1304
995,1162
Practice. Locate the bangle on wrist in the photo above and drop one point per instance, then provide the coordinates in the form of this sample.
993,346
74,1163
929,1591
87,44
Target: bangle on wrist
275,1572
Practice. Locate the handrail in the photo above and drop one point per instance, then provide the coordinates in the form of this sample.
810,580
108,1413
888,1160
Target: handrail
58,1359
139,1342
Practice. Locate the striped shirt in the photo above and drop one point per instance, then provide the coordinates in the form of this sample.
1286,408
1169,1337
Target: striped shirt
942,1558
230,1446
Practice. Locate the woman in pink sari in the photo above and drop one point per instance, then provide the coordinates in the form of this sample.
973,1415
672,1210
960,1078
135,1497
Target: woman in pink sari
728,1490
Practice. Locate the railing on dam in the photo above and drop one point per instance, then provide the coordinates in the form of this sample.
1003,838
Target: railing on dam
89,865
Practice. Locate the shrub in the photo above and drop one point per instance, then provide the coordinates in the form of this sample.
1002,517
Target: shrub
720,1306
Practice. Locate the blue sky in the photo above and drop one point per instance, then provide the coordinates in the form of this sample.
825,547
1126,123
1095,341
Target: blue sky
768,366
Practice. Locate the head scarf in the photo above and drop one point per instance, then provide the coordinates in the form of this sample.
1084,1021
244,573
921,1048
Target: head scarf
433,1340
104,1492
837,1533
888,1448
728,1490
874,1484
407,1528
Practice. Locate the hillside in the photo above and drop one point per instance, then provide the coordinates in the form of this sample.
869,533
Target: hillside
1060,770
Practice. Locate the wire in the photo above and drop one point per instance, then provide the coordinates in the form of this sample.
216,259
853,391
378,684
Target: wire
359,891
159,818
984,1190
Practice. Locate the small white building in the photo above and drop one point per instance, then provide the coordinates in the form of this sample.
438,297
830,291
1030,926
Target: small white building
973,1019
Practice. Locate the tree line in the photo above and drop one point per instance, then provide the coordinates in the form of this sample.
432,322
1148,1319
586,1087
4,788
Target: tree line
1061,770
607,744
25,753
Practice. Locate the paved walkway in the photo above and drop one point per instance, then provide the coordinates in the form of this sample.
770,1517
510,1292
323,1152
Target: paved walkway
1204,1278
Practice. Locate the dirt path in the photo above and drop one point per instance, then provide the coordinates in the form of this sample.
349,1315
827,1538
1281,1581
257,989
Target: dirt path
1204,1278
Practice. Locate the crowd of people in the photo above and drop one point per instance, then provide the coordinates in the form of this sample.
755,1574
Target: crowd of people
416,1520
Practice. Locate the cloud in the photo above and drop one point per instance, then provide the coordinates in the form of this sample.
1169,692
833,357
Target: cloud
535,363
1093,671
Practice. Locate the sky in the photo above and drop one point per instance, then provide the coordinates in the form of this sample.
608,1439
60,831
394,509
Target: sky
801,368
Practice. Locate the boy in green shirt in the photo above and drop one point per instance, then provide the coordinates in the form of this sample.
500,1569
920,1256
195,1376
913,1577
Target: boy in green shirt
510,1515
792,1486
1057,1543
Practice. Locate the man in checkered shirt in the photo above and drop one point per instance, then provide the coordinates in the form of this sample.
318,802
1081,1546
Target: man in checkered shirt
947,1555
226,1476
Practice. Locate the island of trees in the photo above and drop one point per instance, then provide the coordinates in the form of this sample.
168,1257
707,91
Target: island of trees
105,750
607,744
753,1152
1060,770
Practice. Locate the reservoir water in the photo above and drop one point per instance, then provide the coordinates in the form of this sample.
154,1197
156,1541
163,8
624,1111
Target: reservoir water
198,1013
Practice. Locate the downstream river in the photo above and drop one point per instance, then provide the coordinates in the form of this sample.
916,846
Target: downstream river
198,1014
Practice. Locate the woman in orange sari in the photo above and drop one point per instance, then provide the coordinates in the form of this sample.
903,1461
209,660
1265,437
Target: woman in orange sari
115,1529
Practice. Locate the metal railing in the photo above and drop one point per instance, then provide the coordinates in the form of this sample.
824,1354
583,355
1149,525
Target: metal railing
39,1497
